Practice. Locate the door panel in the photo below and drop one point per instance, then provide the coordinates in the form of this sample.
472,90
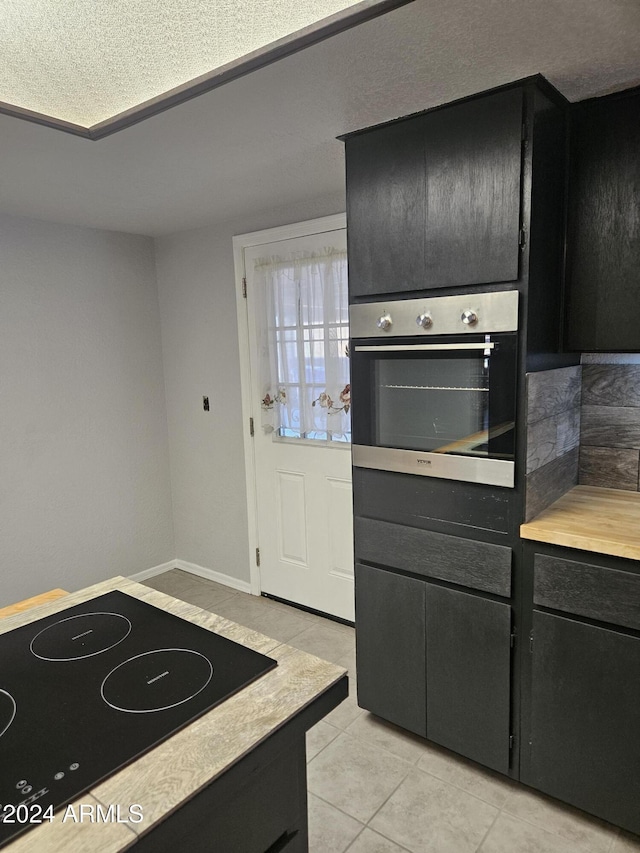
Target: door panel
469,675
292,525
340,527
473,154
303,486
585,732
603,250
385,209
390,646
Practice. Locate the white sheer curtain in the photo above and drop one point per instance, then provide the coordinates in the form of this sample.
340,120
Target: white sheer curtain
302,345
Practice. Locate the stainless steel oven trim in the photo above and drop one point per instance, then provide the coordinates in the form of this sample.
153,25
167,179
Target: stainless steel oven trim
423,347
495,311
494,472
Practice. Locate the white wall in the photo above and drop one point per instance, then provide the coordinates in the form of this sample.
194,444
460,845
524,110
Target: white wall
84,471
196,288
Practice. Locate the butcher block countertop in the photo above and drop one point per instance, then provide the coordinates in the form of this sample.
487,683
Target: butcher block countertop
169,775
605,521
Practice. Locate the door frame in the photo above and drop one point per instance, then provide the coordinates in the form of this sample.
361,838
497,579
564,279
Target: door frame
240,243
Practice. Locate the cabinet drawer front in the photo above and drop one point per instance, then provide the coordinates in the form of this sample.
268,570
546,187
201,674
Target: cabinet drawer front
609,595
478,565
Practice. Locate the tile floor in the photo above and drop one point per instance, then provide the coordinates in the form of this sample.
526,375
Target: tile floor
374,788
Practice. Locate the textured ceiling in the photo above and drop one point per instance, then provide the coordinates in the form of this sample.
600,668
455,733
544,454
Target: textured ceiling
84,61
268,140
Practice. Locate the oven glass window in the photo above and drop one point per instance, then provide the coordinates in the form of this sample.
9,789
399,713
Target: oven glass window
453,402
434,409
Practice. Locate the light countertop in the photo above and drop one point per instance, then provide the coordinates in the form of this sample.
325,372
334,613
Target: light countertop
174,771
605,521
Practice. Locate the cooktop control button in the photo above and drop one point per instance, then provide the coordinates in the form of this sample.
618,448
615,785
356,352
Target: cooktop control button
74,766
59,775
27,789
22,783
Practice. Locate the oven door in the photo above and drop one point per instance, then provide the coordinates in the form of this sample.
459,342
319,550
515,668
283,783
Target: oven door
445,408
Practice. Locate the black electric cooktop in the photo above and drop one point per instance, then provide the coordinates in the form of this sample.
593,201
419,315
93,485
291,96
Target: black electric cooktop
87,690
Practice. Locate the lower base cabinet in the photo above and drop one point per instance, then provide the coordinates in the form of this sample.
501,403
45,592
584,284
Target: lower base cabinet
436,661
258,804
582,729
391,647
262,810
469,675
585,717
435,657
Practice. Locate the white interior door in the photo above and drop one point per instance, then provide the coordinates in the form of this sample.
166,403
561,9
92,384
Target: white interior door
302,460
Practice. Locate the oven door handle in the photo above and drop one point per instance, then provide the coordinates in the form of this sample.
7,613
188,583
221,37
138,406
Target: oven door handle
424,347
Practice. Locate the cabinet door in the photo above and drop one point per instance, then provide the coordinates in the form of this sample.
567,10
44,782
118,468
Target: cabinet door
603,244
585,725
390,646
469,675
385,209
473,156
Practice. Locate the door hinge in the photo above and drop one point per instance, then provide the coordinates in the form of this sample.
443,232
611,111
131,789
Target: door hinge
244,287
511,741
522,238
531,642
258,557
251,430
513,637
523,136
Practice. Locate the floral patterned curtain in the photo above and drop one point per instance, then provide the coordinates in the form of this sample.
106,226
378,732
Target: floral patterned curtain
303,345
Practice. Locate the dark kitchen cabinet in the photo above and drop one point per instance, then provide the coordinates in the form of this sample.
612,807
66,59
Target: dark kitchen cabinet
433,659
434,200
258,804
473,165
603,240
469,675
390,647
583,690
386,209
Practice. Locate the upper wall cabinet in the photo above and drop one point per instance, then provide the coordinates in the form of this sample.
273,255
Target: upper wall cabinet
603,241
473,163
434,200
386,209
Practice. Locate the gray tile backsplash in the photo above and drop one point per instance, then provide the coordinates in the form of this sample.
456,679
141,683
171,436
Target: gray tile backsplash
552,392
610,426
610,467
548,483
553,436
611,385
610,430
583,426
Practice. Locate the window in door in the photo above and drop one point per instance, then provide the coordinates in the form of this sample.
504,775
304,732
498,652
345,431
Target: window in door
304,351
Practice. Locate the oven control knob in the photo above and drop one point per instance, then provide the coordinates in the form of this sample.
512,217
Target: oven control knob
384,322
424,320
469,317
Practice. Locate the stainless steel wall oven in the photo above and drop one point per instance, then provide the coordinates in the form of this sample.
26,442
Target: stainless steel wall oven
434,386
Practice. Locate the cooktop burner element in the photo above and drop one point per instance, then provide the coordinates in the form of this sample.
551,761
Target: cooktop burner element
88,690
80,636
155,681
7,710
